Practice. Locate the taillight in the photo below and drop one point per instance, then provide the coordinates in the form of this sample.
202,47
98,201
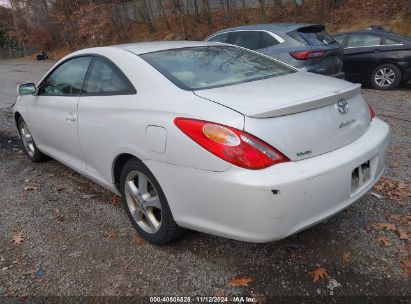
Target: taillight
372,113
234,146
309,54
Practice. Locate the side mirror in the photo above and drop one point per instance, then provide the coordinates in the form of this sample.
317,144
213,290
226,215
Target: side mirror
26,89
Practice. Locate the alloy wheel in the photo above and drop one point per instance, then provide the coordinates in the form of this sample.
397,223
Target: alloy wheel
27,139
143,202
384,77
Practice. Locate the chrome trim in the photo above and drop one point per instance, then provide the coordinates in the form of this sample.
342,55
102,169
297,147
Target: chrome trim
375,45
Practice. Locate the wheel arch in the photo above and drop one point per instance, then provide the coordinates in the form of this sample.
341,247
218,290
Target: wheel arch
386,61
17,116
118,165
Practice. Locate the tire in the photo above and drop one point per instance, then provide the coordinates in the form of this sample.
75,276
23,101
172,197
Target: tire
386,76
32,152
146,204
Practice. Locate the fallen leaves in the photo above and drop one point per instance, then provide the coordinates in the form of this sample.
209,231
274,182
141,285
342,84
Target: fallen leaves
397,190
395,218
30,188
383,239
115,200
238,282
135,239
114,233
17,237
111,234
319,274
404,260
404,235
346,256
385,226
59,217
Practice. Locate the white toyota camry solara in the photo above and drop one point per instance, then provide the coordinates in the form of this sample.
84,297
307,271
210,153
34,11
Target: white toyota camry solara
206,136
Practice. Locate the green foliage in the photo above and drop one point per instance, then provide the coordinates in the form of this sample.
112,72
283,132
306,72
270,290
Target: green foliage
5,41
3,38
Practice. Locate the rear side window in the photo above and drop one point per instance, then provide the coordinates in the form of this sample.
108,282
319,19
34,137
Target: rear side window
269,40
340,38
103,78
387,41
67,79
316,37
219,38
251,40
361,40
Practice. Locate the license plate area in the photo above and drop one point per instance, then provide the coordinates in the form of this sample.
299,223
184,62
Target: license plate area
360,176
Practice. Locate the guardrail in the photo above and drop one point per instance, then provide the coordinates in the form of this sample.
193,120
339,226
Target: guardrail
6,53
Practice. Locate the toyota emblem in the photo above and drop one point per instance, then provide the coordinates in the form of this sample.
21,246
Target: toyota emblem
342,106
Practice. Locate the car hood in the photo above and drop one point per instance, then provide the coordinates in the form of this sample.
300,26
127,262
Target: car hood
283,95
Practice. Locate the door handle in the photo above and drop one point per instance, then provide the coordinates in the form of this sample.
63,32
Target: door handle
71,117
376,50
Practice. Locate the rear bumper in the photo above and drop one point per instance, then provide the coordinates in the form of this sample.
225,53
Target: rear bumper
340,75
270,204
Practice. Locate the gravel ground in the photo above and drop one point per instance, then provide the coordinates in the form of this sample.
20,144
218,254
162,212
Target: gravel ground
78,241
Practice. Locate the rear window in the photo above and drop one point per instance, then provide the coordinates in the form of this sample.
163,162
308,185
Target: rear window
200,68
316,37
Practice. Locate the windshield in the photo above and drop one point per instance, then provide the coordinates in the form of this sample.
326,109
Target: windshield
198,68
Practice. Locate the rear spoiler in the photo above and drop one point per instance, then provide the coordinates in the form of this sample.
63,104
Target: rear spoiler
311,28
306,105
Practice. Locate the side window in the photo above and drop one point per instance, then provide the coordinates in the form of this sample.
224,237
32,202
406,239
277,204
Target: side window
67,79
269,40
103,78
247,39
219,38
340,38
359,40
387,41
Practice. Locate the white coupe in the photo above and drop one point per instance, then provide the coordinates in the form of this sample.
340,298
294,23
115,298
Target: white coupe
206,136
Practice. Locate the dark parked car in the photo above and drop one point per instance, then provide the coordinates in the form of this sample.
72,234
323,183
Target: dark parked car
304,46
376,56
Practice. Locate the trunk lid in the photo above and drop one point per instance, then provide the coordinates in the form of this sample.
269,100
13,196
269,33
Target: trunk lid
315,37
297,113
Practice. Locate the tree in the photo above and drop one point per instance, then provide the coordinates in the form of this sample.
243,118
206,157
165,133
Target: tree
262,8
207,12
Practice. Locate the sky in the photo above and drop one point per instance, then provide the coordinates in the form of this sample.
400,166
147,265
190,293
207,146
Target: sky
5,3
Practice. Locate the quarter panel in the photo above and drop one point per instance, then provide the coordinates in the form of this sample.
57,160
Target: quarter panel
113,125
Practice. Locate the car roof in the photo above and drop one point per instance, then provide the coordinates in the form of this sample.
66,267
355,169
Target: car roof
272,27
395,36
140,48
155,46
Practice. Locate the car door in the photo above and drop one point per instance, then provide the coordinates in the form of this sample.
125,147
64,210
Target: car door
361,54
52,113
107,93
